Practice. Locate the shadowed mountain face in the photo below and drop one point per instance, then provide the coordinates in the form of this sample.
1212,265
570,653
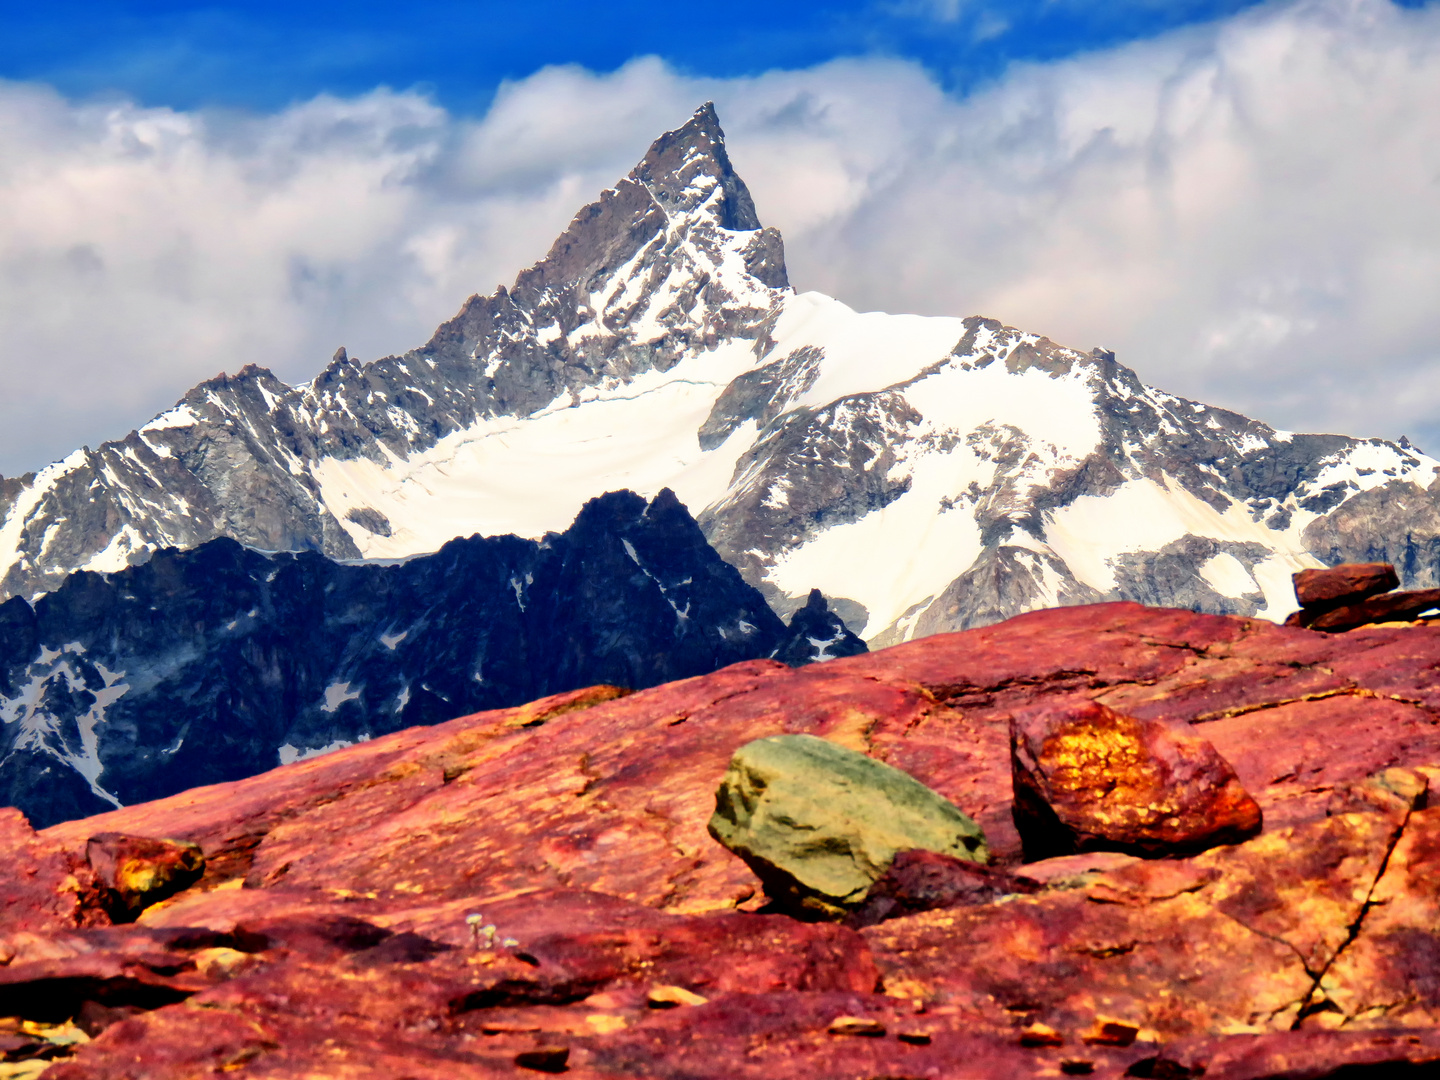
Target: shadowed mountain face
926,474
217,663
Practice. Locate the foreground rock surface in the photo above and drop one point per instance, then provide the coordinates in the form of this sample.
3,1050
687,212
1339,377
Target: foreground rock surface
819,823
330,934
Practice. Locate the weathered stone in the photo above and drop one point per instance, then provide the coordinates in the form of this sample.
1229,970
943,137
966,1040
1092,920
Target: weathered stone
138,871
1335,585
819,824
1390,607
1089,778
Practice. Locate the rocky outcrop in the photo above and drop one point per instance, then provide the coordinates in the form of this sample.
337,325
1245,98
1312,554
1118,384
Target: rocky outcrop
1321,590
329,935
820,824
208,665
1357,594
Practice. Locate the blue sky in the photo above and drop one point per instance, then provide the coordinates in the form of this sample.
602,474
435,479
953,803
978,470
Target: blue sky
265,54
1240,198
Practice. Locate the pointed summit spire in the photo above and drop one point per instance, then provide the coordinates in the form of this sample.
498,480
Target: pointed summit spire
680,163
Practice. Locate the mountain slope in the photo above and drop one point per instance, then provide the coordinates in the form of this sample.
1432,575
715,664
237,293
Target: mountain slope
926,473
220,662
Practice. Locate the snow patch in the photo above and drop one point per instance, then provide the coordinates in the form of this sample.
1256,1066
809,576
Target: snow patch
336,694
290,754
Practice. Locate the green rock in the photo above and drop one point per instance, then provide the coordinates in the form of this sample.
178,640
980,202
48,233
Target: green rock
819,823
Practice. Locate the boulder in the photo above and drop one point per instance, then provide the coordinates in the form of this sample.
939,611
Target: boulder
138,871
820,824
1348,582
1088,778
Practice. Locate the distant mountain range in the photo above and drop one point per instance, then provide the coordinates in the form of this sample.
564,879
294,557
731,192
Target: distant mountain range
926,473
221,662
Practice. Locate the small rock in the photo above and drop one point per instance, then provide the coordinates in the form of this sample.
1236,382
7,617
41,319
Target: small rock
927,880
1077,1067
820,824
1086,777
138,871
671,997
221,963
550,1059
914,1038
1041,1035
1347,582
856,1025
1110,1033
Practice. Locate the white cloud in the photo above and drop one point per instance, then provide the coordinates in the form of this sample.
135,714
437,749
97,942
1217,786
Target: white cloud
1248,212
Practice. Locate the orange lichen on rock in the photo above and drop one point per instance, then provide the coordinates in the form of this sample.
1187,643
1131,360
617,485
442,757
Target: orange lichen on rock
1088,778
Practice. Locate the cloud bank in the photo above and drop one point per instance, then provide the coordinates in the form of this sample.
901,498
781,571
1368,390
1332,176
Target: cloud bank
1248,212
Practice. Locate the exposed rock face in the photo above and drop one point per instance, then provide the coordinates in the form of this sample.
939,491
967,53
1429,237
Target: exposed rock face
925,474
1088,778
1344,597
137,871
1302,951
819,824
208,665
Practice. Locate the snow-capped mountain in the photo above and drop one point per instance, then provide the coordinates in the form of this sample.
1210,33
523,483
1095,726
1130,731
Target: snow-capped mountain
221,662
926,473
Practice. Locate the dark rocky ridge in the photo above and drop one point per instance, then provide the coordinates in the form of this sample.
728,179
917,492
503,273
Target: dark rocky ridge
199,666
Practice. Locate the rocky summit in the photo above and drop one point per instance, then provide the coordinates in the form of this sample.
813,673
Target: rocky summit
533,889
220,662
926,474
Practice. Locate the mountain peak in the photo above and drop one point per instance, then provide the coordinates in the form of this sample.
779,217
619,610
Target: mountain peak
684,166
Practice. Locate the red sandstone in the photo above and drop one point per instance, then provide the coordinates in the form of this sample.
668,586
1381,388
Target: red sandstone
329,935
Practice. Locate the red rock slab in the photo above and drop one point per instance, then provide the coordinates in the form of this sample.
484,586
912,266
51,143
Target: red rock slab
1333,585
1403,663
1089,778
1293,756
1390,974
1212,688
1305,886
226,817
1062,959
1378,609
1292,1055
887,701
305,1012
615,798
43,886
1095,645
1157,944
